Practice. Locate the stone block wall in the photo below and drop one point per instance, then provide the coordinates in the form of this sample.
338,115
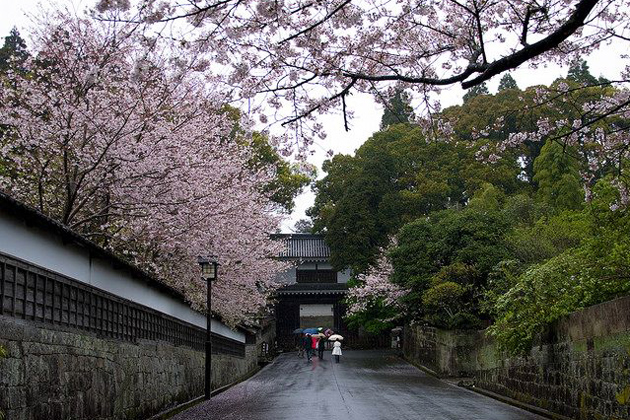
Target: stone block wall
228,369
580,368
447,353
55,374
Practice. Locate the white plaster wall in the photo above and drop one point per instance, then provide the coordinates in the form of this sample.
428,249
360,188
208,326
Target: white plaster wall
316,309
344,276
46,250
41,249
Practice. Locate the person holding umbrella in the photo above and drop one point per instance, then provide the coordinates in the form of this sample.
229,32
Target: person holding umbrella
321,346
314,342
337,346
300,346
308,347
337,350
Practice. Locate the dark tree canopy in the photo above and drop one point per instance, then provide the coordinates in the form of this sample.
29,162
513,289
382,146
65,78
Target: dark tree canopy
396,176
507,82
475,91
397,110
579,72
303,226
557,173
14,48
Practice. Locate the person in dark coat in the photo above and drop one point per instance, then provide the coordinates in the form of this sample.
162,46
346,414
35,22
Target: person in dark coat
321,346
308,347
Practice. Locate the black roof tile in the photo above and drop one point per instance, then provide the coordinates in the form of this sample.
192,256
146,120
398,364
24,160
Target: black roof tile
303,246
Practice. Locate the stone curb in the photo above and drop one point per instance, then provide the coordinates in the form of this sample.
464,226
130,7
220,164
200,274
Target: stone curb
527,407
422,368
168,413
507,400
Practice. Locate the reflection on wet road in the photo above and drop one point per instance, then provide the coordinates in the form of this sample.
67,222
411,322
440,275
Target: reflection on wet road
371,385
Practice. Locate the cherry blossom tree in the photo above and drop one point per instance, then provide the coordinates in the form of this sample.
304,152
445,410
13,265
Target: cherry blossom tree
300,58
375,301
120,139
588,122
312,54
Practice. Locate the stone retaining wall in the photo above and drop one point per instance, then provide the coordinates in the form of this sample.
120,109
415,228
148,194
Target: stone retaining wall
55,374
579,369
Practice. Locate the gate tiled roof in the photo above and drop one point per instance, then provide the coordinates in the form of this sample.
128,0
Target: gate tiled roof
303,246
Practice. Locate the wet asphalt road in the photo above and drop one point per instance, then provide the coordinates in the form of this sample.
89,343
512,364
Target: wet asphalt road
370,385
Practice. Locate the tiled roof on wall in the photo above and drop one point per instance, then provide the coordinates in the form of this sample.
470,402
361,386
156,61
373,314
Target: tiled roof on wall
303,246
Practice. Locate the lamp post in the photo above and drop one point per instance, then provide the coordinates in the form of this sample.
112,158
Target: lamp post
208,274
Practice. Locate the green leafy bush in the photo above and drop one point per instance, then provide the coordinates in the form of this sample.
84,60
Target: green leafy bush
544,293
446,307
549,236
501,279
375,319
448,256
595,271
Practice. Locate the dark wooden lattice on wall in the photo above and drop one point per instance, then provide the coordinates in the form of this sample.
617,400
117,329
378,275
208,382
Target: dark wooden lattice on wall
31,293
316,276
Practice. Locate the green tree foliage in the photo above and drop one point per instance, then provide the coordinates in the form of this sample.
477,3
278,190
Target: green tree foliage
579,73
594,267
290,179
303,226
14,52
395,177
516,111
375,319
450,246
507,82
556,171
512,242
397,110
548,237
475,91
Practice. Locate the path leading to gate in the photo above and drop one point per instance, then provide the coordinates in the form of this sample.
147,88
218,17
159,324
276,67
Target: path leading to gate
370,385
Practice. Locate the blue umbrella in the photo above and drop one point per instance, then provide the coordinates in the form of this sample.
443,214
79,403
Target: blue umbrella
298,331
310,331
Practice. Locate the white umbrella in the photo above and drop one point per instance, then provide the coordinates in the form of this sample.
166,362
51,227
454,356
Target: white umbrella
335,337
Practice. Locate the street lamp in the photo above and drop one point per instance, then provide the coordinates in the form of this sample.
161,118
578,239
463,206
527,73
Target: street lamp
209,267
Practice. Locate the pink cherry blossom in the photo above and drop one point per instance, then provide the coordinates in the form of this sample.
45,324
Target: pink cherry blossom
303,57
119,139
375,287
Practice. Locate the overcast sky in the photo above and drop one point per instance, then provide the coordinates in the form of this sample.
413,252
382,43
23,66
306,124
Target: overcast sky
605,61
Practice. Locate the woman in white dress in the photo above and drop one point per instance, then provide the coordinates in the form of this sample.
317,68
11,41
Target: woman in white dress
337,351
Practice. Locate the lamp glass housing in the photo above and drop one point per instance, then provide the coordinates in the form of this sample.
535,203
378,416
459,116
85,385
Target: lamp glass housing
207,271
208,267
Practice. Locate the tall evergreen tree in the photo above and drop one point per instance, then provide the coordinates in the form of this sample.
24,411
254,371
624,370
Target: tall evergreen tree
579,73
558,177
507,82
14,46
474,91
397,110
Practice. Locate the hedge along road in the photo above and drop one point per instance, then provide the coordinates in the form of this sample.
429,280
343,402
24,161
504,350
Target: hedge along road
371,385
